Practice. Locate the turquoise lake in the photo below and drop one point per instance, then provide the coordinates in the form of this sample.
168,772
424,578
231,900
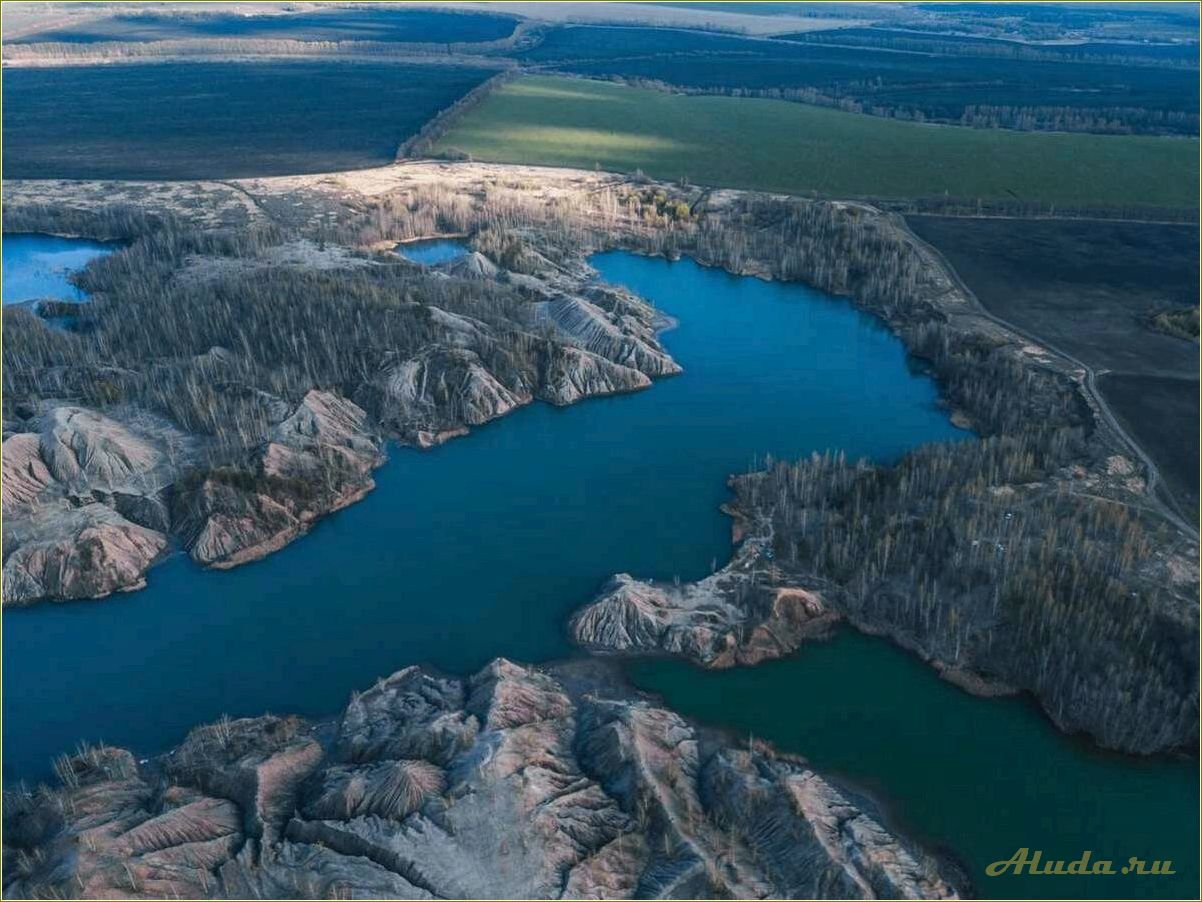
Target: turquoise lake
37,266
485,546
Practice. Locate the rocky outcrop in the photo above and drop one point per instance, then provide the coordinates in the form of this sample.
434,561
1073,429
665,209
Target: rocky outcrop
86,552
26,475
584,340
316,461
616,335
515,783
87,451
472,265
438,393
570,374
84,502
737,616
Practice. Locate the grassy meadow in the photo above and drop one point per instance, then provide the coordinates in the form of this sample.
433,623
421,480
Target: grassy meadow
789,147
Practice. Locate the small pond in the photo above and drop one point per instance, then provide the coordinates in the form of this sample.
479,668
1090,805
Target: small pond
432,251
39,266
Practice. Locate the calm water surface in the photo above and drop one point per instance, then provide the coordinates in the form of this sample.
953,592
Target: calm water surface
37,266
485,546
433,251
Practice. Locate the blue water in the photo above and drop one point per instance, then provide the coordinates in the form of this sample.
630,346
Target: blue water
485,546
981,778
431,252
37,266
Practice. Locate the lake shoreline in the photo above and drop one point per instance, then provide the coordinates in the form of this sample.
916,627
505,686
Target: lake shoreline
944,295
412,483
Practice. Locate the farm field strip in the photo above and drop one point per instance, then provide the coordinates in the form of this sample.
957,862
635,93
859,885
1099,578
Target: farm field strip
788,147
1103,93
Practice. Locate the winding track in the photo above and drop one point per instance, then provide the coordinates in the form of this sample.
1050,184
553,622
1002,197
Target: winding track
1163,501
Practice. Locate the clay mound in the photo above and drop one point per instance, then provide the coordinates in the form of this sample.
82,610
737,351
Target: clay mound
514,783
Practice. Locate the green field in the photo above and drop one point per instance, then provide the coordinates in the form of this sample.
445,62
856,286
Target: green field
790,147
